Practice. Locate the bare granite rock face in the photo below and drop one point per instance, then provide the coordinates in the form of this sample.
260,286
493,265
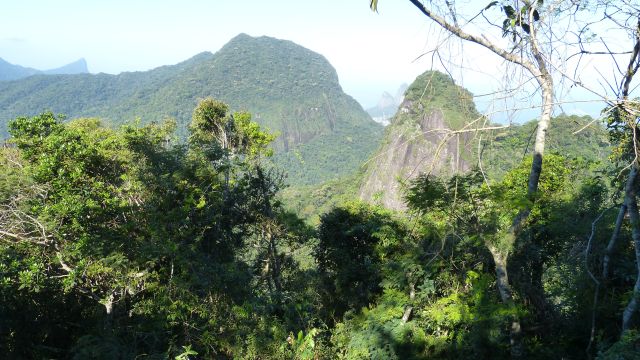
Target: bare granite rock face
412,148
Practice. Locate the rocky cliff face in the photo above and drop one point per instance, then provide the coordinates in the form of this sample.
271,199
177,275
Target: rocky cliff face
419,140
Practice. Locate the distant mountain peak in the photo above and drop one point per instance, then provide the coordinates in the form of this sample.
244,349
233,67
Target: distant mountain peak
10,71
240,36
278,57
247,37
387,105
77,67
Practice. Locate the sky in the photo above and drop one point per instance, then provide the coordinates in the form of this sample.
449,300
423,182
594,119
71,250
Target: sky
372,52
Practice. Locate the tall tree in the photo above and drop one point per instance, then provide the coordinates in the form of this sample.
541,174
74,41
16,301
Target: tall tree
623,121
522,23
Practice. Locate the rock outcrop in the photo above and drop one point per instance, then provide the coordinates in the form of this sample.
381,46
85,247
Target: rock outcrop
420,140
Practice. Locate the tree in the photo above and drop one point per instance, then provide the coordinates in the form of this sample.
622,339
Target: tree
522,23
125,243
347,259
623,124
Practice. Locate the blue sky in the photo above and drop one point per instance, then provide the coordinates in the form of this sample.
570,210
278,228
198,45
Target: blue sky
371,52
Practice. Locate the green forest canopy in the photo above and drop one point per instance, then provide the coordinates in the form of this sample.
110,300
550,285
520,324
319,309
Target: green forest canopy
121,242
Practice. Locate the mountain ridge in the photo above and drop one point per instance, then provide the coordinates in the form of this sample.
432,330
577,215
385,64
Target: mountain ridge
9,71
291,90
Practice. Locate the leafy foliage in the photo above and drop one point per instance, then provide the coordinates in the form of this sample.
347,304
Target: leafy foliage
137,243
124,242
590,144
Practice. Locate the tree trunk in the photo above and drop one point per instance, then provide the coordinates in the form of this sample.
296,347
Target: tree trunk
108,307
634,219
270,232
409,309
630,189
275,272
502,282
611,247
501,255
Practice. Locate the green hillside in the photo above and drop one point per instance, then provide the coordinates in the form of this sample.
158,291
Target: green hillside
434,101
572,136
290,90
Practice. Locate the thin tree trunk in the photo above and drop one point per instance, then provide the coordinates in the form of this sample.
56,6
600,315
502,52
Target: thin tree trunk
108,307
630,191
546,84
501,255
275,273
634,220
409,309
506,295
270,232
609,251
613,241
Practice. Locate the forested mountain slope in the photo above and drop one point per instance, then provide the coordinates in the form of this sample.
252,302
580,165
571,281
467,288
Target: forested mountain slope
290,90
574,137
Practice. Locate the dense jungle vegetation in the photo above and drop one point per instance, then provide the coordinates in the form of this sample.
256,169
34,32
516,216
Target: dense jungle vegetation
123,243
157,239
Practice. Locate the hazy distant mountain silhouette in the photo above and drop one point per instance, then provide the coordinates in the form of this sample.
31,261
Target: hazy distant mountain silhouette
10,71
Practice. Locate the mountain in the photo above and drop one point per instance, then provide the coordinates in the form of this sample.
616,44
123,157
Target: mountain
10,71
387,105
417,139
420,140
77,67
324,133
